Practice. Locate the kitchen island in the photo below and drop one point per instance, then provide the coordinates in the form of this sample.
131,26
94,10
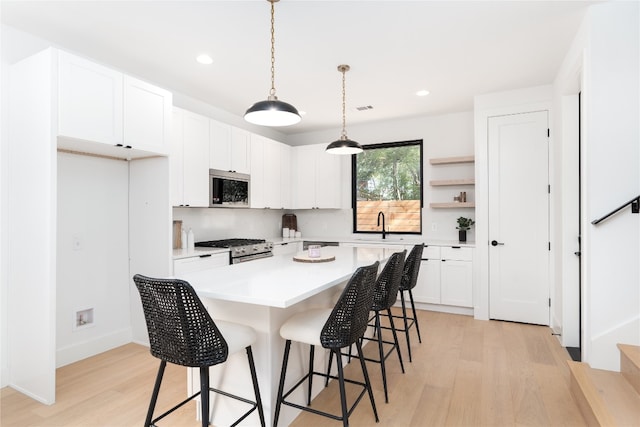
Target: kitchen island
264,294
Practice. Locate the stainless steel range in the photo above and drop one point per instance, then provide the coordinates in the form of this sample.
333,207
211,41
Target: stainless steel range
242,250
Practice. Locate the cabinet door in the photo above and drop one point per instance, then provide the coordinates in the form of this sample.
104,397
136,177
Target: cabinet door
90,101
304,177
219,146
176,158
427,288
147,116
199,263
286,185
456,283
196,160
328,179
258,187
240,150
273,186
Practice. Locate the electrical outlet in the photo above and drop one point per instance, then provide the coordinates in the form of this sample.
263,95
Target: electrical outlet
434,226
76,242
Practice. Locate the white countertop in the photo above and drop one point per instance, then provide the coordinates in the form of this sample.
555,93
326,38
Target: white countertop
280,281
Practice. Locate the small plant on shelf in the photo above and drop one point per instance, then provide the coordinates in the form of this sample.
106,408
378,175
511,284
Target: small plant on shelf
464,224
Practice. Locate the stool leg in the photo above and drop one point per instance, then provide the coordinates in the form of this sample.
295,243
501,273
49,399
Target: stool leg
285,359
326,379
204,395
395,338
381,351
406,324
311,354
154,396
366,378
415,316
343,396
256,389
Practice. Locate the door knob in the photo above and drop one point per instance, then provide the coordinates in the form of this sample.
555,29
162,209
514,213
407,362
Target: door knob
496,243
577,253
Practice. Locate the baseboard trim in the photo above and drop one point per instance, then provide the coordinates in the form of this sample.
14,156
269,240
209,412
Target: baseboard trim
82,350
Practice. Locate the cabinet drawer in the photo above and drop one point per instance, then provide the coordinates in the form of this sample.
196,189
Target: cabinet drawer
197,263
431,252
457,253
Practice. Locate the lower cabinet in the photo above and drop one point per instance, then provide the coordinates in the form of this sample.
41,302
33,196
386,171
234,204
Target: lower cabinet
446,276
287,248
197,263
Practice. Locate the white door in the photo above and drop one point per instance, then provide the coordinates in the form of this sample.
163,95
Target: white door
519,218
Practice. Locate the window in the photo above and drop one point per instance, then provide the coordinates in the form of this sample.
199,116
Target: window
387,178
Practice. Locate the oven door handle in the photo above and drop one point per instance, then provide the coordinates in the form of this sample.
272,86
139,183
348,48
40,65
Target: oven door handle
251,257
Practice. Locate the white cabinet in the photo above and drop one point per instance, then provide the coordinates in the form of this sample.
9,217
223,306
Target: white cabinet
199,263
446,276
189,159
267,164
147,116
427,288
90,100
317,178
456,285
230,148
287,248
102,111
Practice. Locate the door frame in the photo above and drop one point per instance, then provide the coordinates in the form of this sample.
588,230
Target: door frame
486,106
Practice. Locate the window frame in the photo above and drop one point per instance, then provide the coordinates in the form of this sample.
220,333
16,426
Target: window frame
354,190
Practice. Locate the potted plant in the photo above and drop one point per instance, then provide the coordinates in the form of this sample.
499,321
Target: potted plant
464,224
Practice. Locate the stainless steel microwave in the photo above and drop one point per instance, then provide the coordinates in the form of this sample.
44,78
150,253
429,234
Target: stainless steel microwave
228,189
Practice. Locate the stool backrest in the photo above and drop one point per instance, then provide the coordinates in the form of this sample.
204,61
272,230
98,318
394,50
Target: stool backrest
180,329
412,268
388,282
348,320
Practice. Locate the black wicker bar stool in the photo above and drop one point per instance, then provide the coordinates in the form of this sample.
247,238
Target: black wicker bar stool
182,332
386,293
408,282
333,329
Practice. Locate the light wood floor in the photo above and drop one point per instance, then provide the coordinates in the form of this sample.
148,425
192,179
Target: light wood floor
465,373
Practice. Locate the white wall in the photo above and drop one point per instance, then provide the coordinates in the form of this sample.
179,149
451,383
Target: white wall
611,153
93,255
446,135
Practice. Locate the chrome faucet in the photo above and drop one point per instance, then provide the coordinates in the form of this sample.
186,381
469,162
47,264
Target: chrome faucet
384,232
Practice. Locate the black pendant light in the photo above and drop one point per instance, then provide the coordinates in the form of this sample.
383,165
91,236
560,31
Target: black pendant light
344,145
272,112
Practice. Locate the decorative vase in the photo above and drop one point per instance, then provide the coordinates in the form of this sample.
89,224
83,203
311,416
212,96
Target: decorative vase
462,235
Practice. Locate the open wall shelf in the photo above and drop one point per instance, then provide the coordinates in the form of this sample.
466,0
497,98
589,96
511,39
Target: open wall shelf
443,182
452,205
452,160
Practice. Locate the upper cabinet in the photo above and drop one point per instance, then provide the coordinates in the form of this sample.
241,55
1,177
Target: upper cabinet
102,111
90,100
189,159
230,148
317,178
147,112
269,161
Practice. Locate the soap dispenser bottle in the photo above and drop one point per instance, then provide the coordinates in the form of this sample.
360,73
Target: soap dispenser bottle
183,239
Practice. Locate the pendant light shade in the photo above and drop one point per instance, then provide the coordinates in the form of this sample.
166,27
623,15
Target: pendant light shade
344,145
272,112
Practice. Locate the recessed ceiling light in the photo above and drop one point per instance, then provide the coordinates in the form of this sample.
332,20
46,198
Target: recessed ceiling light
422,92
204,59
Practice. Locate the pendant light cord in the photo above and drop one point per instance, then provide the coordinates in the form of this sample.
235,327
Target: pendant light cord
272,92
344,104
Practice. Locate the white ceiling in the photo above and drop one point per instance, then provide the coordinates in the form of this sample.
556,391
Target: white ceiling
454,49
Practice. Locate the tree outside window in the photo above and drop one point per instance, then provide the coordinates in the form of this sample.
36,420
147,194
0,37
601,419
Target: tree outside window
387,178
